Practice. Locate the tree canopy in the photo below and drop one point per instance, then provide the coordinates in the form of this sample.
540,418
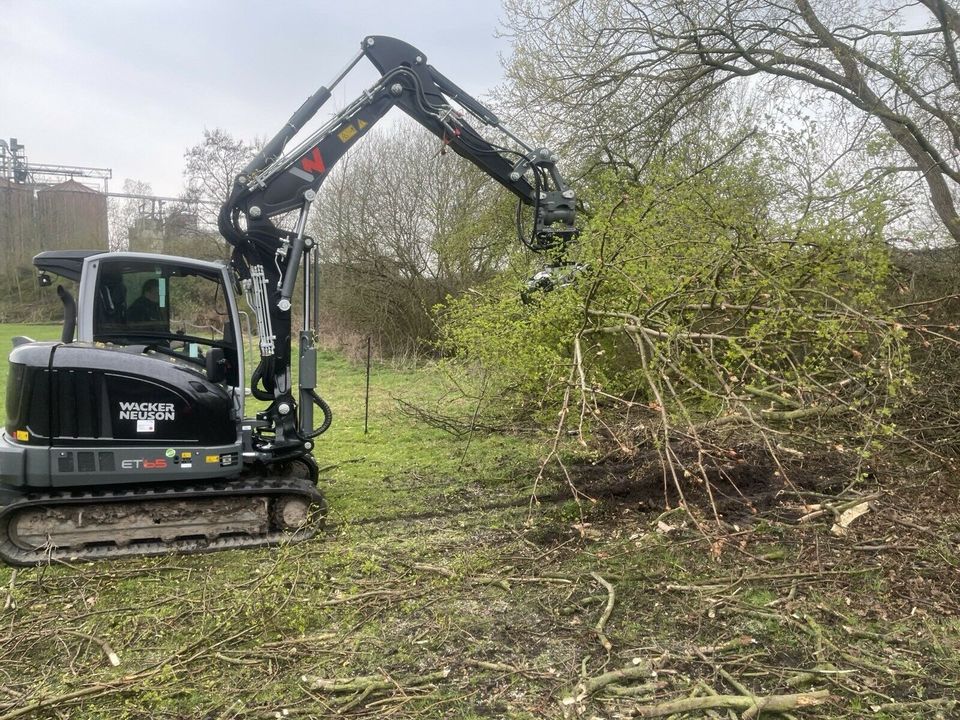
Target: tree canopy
641,76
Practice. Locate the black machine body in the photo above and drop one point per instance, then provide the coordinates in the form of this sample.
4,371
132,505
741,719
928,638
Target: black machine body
129,436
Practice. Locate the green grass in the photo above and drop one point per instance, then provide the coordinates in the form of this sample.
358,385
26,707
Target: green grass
435,563
10,331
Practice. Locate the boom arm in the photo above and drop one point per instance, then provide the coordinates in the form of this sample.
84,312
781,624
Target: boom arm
267,258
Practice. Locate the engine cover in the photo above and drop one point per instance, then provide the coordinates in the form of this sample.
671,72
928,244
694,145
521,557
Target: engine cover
88,395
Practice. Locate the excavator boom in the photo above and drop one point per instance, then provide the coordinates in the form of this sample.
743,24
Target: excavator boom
280,180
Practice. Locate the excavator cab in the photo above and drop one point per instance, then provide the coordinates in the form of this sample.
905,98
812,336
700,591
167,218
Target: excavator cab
174,306
178,307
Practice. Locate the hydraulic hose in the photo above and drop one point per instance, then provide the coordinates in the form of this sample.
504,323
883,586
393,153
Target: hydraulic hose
327,414
257,378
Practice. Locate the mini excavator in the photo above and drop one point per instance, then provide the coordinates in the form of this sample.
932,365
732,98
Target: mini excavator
128,436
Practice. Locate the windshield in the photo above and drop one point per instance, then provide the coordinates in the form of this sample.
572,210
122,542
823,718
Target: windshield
178,310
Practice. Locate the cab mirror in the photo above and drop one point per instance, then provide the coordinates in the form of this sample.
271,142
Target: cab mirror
216,365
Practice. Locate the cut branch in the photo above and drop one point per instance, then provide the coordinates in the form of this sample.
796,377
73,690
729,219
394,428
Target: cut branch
602,622
371,683
746,703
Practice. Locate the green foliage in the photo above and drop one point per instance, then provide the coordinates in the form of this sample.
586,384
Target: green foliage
524,348
24,299
699,289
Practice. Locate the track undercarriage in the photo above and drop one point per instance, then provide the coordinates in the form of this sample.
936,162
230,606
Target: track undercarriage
254,510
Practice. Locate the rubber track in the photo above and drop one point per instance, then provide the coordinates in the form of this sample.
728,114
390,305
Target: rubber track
12,554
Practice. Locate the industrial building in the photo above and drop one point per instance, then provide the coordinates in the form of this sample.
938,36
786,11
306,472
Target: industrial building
43,207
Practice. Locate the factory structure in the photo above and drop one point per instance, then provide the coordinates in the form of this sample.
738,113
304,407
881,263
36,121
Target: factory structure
68,207
48,207
61,216
44,207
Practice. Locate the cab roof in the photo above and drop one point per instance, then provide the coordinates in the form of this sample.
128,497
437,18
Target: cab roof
65,263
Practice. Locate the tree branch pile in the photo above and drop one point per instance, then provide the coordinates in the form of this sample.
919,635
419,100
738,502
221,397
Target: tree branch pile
702,319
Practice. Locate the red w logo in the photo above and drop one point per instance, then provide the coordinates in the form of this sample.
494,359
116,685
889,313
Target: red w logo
313,163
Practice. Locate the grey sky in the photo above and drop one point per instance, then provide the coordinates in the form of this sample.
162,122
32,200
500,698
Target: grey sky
130,85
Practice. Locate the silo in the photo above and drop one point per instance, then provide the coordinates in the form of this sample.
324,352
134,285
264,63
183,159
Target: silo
72,216
20,240
19,234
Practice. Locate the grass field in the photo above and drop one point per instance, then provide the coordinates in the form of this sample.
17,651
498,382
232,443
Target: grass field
10,331
392,445
441,591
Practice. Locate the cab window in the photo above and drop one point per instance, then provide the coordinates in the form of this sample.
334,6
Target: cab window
176,310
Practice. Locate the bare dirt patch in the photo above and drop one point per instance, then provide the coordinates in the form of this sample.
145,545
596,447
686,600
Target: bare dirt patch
739,482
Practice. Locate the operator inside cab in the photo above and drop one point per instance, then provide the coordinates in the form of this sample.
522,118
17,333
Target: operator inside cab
132,302
146,311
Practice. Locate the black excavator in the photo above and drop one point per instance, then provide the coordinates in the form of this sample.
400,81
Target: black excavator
128,436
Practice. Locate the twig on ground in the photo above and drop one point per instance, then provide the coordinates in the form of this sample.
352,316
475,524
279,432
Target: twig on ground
9,602
85,692
376,682
821,509
937,703
736,643
491,580
730,580
634,690
357,699
789,597
120,684
371,683
747,703
801,679
494,580
112,656
436,569
734,683
494,666
602,622
235,661
884,546
907,522
587,686
707,690
360,596
319,637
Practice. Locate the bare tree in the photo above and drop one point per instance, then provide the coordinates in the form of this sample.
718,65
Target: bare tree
401,226
211,167
209,172
629,71
123,213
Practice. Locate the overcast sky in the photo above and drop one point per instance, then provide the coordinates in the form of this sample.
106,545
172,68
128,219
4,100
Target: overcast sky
130,84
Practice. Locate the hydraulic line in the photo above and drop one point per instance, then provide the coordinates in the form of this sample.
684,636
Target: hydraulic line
258,302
